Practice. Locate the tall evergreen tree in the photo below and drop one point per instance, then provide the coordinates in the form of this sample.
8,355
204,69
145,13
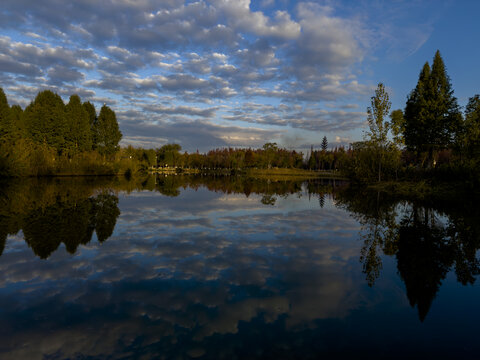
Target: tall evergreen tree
324,143
78,136
432,116
446,112
45,120
416,113
107,133
5,118
92,118
471,133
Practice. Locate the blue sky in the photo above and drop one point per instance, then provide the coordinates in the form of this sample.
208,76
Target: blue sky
239,73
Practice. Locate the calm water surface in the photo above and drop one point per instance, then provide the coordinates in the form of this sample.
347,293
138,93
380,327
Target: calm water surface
181,268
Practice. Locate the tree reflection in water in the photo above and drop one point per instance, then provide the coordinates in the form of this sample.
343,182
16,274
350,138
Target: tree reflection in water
180,278
426,241
70,210
51,212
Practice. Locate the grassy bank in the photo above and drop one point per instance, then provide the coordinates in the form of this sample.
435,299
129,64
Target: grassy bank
426,191
278,174
291,174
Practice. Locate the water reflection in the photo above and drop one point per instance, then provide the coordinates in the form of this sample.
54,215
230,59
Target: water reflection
426,241
197,268
51,212
69,211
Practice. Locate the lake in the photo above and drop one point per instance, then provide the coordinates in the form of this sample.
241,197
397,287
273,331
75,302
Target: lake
199,267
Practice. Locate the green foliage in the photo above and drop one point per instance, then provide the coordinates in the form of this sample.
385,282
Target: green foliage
78,136
45,120
92,113
376,113
92,118
107,135
379,127
397,126
27,158
416,112
432,116
365,160
324,143
169,155
471,134
5,118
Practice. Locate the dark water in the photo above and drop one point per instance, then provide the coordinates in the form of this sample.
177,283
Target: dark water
181,268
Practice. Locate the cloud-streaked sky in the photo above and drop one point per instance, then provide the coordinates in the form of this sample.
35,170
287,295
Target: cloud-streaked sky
221,73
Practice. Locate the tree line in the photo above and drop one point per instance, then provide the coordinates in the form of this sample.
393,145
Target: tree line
50,137
47,134
270,155
430,137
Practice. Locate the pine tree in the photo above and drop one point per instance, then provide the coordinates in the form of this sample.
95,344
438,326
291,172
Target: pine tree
471,134
45,120
78,136
432,116
416,112
446,113
107,133
324,144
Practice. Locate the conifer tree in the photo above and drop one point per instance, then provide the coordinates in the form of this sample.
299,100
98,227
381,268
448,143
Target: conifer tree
78,136
45,120
5,118
92,117
107,133
471,137
432,116
416,113
446,112
324,143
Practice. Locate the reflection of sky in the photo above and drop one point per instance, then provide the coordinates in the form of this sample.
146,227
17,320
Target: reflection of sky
199,275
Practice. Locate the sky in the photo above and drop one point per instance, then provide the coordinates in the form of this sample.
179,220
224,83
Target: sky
234,73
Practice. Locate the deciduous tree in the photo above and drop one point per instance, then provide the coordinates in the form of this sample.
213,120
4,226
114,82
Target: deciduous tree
378,126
